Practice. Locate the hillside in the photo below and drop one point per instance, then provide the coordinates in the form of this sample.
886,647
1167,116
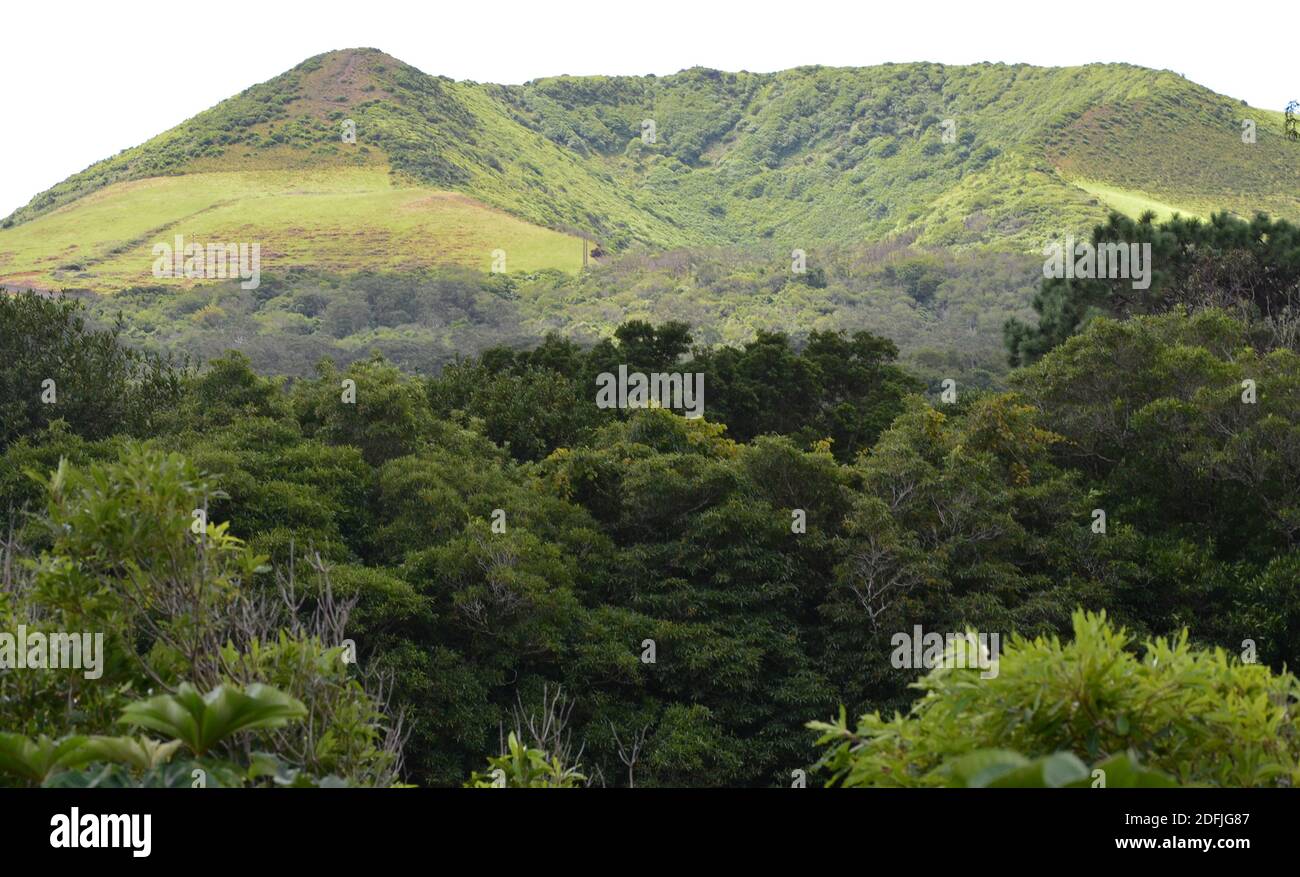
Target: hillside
446,172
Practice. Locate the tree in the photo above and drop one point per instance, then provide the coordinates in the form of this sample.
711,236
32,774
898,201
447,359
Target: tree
55,368
1252,268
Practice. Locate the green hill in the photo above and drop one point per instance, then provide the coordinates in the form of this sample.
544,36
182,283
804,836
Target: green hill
446,172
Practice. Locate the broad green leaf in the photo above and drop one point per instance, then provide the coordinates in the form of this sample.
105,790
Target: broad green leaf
34,760
202,722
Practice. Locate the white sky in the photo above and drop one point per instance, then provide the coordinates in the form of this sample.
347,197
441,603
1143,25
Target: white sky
82,81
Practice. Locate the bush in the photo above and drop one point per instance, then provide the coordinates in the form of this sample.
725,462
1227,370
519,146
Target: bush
1195,714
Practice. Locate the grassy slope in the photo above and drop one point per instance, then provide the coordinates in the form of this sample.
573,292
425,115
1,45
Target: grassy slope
1131,202
1180,144
333,218
823,154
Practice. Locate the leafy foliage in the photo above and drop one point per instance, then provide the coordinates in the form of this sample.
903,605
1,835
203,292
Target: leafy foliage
48,348
525,768
201,721
1000,768
1249,267
421,569
1194,714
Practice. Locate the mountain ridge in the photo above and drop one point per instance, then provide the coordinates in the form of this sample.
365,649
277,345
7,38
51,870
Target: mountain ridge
798,158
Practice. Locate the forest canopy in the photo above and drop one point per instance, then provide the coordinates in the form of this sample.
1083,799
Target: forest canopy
478,576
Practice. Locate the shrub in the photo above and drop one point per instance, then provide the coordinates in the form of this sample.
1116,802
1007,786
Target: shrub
1195,714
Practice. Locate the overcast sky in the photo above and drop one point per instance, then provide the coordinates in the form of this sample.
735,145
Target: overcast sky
83,81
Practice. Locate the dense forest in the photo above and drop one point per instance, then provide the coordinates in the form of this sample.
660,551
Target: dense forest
368,575
945,310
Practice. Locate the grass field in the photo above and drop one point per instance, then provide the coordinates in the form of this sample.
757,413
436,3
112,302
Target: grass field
332,218
1133,203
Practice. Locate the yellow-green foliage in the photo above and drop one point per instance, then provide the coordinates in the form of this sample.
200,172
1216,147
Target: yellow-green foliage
523,767
1133,203
1201,716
